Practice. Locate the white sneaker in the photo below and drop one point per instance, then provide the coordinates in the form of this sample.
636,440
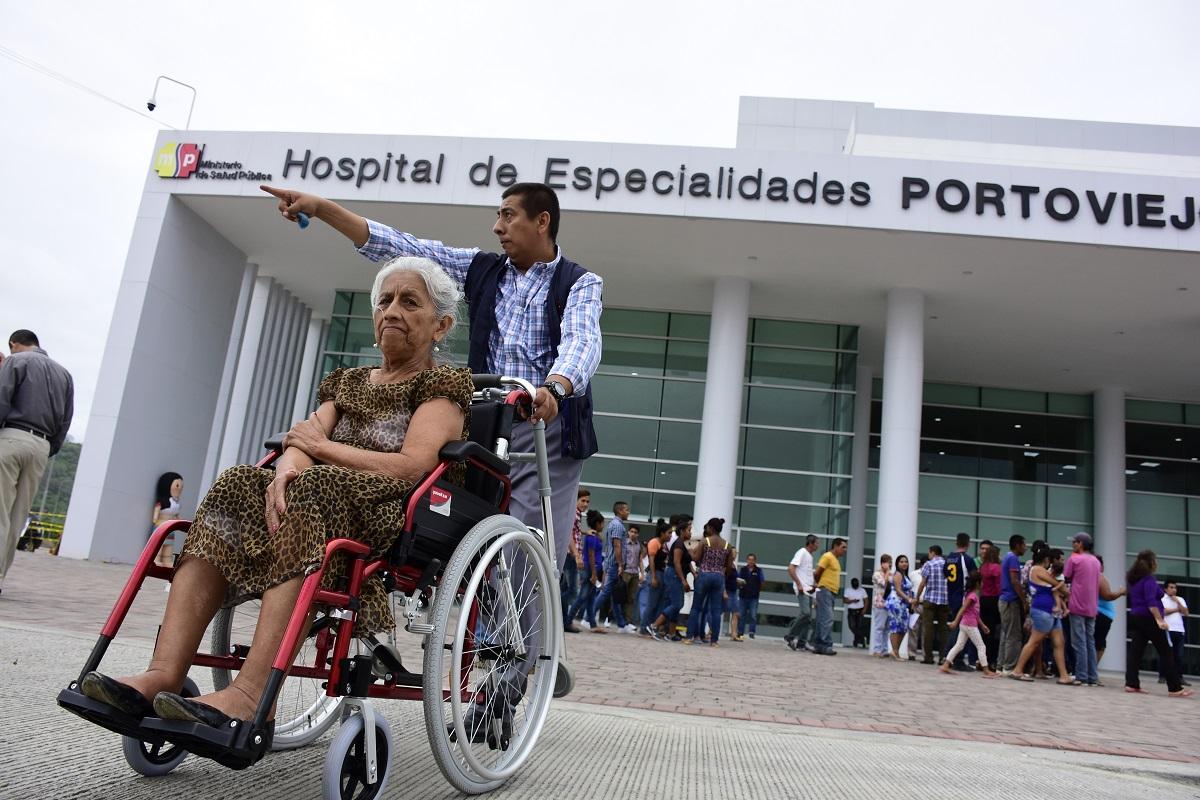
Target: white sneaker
606,623
630,628
583,623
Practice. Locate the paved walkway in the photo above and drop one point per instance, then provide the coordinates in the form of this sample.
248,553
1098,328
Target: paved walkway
760,681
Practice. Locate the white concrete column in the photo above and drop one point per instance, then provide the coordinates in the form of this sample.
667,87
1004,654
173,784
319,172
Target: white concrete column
308,368
716,476
1108,498
239,399
860,458
899,458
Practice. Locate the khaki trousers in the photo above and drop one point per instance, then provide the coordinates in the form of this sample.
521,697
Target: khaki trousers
22,460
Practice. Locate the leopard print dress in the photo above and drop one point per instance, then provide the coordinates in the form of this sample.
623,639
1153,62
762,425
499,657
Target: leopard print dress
324,502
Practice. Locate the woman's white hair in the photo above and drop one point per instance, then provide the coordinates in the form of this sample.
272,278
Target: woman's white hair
443,291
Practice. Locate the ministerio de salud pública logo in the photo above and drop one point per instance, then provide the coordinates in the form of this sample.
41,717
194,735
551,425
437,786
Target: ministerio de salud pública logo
186,159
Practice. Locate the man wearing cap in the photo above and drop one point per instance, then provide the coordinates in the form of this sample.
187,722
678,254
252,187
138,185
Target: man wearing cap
37,401
1082,571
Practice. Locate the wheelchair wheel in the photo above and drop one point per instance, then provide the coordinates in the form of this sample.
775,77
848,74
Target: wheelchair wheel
345,773
486,696
303,711
155,760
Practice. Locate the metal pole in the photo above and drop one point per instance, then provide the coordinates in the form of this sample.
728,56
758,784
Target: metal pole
154,96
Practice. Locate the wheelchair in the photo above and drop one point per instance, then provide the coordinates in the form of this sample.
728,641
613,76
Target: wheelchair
474,589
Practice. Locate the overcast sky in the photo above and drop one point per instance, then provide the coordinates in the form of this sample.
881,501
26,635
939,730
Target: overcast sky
72,165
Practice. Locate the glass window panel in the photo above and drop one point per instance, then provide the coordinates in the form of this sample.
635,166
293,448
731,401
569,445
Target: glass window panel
341,302
640,501
876,390
1012,429
840,491
810,368
1059,534
951,394
1191,414
1150,411
810,452
1081,404
1193,478
843,412
790,409
1012,499
627,437
667,504
784,486
873,486
1067,433
784,517
620,472
1069,504
946,494
361,304
685,359
360,337
1145,475
644,323
1012,398
943,422
1156,511
934,524
690,326
619,395
337,333
872,517
1193,516
1163,544
679,441
949,458
847,363
1169,567
641,356
797,334
1164,441
771,548
1008,463
998,530
848,337
675,476
682,399
1067,468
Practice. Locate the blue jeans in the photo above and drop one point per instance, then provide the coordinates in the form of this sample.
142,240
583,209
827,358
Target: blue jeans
650,600
749,615
568,584
1083,642
710,588
823,633
584,603
611,579
673,590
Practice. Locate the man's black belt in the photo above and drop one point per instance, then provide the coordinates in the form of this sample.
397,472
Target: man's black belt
27,429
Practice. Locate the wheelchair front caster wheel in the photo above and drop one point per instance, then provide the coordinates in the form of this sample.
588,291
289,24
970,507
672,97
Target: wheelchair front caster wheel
345,774
154,760
564,680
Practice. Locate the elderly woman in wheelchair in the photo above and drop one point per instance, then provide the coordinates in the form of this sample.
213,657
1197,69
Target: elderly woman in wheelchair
344,472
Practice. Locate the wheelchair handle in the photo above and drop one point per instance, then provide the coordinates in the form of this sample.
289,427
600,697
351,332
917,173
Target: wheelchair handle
487,381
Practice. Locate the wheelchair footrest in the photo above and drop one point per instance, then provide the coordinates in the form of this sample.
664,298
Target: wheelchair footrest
234,747
106,716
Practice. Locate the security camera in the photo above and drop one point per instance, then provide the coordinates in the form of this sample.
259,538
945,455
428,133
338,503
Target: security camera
151,105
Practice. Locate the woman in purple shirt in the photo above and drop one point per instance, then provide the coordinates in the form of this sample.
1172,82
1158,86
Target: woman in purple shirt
1146,624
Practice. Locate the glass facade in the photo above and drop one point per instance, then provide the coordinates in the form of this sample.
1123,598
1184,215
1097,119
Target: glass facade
995,462
1162,480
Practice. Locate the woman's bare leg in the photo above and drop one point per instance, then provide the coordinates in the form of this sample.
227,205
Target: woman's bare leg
1034,645
197,590
240,698
897,638
1060,654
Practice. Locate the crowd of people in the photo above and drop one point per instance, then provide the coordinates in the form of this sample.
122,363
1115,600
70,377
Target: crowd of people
1041,617
641,586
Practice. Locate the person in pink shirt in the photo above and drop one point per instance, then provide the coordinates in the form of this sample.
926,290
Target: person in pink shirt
968,623
1082,571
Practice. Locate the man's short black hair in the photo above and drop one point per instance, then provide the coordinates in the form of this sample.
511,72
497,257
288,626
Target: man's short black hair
936,549
962,540
619,504
634,528
1015,541
836,542
24,337
810,539
536,198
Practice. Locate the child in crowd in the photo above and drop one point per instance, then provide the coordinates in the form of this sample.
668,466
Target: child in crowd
968,623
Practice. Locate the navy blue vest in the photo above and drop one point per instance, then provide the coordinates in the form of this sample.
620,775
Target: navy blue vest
480,286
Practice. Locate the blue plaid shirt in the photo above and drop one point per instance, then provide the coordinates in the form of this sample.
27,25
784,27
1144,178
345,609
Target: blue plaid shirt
933,573
520,345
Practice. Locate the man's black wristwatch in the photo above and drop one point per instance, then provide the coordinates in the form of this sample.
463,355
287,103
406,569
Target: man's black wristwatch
557,390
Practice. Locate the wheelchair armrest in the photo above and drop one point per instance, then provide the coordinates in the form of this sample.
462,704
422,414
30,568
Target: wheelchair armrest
462,450
275,442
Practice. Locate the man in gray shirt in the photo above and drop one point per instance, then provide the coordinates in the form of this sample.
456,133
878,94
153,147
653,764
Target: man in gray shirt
37,401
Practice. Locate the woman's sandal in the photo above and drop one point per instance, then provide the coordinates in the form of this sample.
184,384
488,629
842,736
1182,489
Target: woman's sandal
1132,690
1024,678
1181,693
1069,683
